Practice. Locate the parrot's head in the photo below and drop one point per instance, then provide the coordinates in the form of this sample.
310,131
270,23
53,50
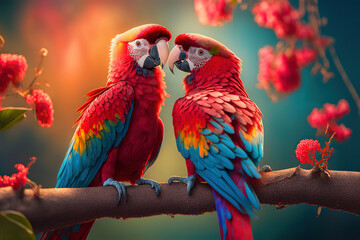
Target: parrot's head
203,57
146,46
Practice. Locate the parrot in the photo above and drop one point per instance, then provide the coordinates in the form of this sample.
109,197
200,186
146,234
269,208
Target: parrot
119,131
218,130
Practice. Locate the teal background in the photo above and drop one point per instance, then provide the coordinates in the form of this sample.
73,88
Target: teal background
284,122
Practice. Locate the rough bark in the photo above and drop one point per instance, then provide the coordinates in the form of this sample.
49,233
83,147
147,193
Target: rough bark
62,207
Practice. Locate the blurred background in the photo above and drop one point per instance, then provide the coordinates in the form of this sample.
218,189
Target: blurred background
77,35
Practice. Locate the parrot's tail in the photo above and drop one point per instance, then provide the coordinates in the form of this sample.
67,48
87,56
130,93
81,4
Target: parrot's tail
75,232
234,225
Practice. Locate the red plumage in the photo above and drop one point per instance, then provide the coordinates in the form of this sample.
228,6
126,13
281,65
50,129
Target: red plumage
128,161
197,40
152,33
128,86
218,129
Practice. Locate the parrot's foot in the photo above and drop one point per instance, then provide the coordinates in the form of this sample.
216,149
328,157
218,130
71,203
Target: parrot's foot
190,181
153,184
120,187
265,168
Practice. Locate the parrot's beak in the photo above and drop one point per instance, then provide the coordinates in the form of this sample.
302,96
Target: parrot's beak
163,49
158,54
178,58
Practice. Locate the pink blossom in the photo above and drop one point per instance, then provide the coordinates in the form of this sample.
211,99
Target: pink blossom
330,111
317,119
281,70
342,109
341,132
12,69
277,15
305,151
304,31
17,179
334,112
266,58
43,106
286,75
260,14
280,16
285,30
305,56
327,117
214,12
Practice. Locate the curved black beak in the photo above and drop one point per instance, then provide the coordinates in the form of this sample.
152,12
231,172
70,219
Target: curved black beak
182,64
177,57
153,59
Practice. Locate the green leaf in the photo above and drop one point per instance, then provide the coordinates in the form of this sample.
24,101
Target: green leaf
11,116
14,225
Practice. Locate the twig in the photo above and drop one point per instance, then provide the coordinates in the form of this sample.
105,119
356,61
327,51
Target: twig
38,70
344,76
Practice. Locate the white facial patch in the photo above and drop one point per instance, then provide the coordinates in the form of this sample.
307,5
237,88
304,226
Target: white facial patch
138,48
198,56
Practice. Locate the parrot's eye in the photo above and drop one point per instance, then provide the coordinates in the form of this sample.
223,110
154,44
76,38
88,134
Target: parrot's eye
138,43
200,52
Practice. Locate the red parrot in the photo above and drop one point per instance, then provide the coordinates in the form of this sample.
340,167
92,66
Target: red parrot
218,130
119,131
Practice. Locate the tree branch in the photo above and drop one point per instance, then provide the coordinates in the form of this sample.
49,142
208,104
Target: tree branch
62,207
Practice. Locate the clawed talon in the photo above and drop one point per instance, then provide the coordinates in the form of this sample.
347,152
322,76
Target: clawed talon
265,168
156,186
120,187
190,181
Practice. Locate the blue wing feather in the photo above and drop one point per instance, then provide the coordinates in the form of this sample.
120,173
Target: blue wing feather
216,167
78,170
81,176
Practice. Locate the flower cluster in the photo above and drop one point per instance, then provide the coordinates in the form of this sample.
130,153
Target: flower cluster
214,12
281,17
283,74
282,71
325,119
12,70
305,56
20,178
306,152
286,74
266,58
17,179
43,106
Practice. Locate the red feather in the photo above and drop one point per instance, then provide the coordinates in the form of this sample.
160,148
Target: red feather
216,93
91,96
153,32
125,86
